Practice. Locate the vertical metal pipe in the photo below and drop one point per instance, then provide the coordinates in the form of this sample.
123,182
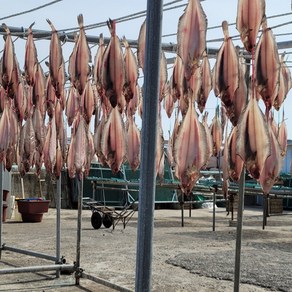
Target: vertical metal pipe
182,206
58,224
1,206
149,129
79,221
239,231
214,205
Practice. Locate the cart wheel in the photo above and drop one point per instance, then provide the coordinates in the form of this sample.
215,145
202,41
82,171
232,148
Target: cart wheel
107,221
96,220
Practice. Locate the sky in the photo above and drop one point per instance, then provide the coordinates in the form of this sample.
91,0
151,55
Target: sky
64,14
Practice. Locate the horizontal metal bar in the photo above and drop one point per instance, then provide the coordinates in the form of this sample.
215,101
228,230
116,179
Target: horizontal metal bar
104,282
28,252
33,269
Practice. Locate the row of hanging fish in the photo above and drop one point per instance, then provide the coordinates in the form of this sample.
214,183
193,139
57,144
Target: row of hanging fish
251,142
109,91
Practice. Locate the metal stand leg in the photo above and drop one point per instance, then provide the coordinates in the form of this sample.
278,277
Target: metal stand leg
80,202
214,205
239,231
58,225
1,206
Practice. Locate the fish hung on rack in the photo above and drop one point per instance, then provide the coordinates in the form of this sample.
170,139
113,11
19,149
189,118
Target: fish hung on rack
81,149
206,83
56,63
190,149
216,133
253,139
267,67
272,165
113,70
80,59
226,72
282,136
249,18
113,140
31,60
285,84
191,37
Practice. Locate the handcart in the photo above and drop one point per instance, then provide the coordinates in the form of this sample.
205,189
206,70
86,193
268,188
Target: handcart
109,216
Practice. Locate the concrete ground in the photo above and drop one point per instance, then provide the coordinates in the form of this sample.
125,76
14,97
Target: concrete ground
189,258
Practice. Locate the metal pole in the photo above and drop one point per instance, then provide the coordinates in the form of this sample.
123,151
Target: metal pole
1,205
58,224
34,269
28,252
239,231
105,283
149,129
214,204
182,206
79,221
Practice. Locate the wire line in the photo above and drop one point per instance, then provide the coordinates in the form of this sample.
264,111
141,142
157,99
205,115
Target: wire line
30,10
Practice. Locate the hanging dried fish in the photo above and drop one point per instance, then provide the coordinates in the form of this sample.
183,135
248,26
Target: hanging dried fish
168,102
113,70
282,136
285,83
39,93
235,109
72,105
272,165
142,45
159,150
4,131
253,139
249,18
131,72
30,61
216,132
87,102
191,36
82,58
56,62
113,144
190,156
133,143
98,130
235,163
162,77
226,69
267,67
7,63
206,83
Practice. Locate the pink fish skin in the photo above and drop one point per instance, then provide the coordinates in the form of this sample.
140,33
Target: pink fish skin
30,61
83,58
206,84
253,139
55,56
113,70
267,67
177,79
7,59
190,156
142,45
131,72
272,165
133,142
226,70
249,18
113,143
191,36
